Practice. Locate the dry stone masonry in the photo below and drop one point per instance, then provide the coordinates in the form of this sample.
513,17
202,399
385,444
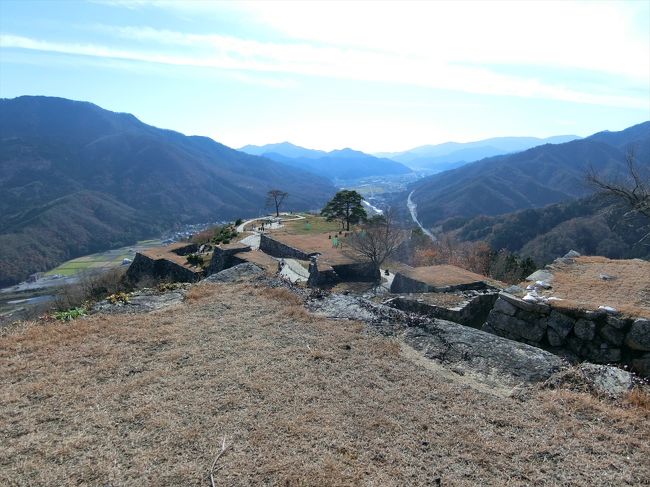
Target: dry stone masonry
597,336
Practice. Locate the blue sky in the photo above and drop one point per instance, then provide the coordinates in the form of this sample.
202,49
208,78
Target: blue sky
375,76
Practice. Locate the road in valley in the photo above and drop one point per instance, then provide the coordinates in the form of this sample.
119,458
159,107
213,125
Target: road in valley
414,215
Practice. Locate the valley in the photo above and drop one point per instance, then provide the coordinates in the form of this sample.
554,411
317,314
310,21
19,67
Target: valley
370,243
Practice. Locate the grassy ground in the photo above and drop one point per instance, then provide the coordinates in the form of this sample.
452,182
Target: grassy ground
102,260
311,225
147,399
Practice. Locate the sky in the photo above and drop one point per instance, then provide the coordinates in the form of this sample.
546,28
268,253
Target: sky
373,76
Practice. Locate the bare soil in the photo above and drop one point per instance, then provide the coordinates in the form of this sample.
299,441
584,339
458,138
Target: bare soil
147,400
441,275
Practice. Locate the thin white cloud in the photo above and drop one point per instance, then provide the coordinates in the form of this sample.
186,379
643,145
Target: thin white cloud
232,53
605,36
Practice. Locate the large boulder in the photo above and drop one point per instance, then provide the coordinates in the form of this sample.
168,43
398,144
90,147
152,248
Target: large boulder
603,380
483,353
237,273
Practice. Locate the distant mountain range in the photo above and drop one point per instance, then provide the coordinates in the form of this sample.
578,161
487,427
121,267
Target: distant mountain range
533,178
336,165
449,155
75,178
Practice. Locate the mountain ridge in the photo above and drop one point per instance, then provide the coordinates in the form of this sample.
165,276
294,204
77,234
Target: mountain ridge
339,164
448,155
533,178
52,148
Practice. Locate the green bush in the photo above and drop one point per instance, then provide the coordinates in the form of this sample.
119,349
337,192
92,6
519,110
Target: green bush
71,314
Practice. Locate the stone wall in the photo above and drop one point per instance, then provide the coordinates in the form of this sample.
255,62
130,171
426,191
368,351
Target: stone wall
358,271
224,258
403,284
190,248
143,267
579,335
321,275
472,312
275,248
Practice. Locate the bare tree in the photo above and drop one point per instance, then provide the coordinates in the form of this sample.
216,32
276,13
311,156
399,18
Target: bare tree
634,192
377,239
275,198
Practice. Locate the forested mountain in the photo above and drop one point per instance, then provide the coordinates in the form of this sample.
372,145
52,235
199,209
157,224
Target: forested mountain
75,178
335,165
594,225
441,157
534,178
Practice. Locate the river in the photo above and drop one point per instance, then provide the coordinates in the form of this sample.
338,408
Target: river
413,208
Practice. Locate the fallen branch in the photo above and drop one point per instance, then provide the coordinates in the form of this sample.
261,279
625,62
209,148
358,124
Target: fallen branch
224,447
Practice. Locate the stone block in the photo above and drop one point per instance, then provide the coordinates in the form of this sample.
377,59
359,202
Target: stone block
638,338
560,323
641,365
612,335
504,307
575,345
517,329
526,306
585,330
554,339
616,322
602,353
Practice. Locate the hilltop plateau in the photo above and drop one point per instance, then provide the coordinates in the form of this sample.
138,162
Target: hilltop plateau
294,397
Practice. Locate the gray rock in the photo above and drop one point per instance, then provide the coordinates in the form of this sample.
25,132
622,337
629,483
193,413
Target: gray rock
612,335
618,323
236,273
515,328
482,352
638,338
585,330
142,302
553,337
607,380
514,290
571,254
641,365
340,306
526,306
504,307
540,275
561,325
575,345
601,353
602,380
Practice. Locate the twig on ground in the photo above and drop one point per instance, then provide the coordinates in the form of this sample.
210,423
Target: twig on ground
213,468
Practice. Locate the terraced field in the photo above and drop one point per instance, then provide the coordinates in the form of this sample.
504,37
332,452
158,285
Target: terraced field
102,260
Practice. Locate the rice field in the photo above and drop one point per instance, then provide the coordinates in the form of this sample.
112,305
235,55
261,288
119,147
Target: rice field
102,260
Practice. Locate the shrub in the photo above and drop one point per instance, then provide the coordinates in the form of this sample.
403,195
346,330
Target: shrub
92,286
119,297
71,313
194,259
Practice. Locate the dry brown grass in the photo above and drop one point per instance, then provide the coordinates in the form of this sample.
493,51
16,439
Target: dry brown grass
639,398
580,285
147,399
